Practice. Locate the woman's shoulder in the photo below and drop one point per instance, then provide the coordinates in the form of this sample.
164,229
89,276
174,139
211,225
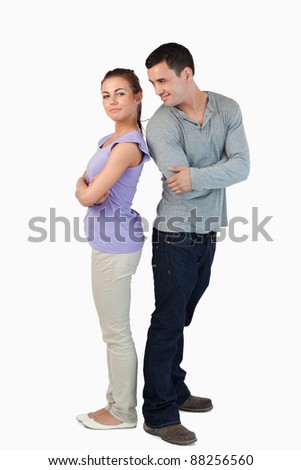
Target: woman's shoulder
131,136
104,139
135,137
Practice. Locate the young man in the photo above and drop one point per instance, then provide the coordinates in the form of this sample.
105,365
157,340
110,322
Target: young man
198,142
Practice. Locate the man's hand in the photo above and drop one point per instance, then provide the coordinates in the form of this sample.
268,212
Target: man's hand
181,182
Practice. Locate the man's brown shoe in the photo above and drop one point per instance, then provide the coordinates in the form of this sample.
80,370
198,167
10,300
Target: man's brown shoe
174,434
196,404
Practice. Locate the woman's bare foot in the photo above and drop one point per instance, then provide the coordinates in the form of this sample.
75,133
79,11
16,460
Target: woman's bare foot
106,418
95,414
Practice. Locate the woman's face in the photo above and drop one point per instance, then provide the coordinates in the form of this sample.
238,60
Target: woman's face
118,99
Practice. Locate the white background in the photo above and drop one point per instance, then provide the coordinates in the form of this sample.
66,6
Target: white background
243,348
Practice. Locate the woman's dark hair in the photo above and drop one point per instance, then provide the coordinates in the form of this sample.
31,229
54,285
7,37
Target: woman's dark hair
132,79
176,56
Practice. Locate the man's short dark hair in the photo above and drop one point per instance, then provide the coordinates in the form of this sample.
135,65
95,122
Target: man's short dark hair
176,56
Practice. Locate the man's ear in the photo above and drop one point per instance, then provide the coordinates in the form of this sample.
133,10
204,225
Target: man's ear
187,73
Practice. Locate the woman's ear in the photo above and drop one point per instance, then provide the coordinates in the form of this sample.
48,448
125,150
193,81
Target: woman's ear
138,97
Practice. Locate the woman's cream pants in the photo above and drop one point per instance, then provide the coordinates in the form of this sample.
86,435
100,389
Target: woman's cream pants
111,286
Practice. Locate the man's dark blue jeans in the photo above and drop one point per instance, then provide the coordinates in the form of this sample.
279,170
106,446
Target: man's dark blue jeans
181,269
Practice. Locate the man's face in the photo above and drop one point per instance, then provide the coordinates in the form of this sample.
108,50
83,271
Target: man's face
171,88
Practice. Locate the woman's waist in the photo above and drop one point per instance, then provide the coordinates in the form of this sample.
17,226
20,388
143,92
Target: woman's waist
111,211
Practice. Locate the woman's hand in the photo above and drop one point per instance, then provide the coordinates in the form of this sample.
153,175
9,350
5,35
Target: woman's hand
85,177
81,186
102,199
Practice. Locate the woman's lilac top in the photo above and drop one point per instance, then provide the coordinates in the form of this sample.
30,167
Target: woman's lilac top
113,226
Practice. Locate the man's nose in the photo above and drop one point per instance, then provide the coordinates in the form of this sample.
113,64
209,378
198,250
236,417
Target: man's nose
158,88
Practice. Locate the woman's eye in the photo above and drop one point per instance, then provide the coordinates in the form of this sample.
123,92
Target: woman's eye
104,97
120,93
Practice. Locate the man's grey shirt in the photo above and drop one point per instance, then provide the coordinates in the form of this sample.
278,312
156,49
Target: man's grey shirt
218,156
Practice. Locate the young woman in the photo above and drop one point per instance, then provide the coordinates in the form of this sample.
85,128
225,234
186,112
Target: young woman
115,234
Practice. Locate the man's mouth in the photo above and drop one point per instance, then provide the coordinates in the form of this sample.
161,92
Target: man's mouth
164,97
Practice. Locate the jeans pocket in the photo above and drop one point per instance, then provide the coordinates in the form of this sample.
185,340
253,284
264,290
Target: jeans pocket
180,240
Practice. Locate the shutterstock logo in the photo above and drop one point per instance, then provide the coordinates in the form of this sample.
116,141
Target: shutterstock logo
257,228
110,227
